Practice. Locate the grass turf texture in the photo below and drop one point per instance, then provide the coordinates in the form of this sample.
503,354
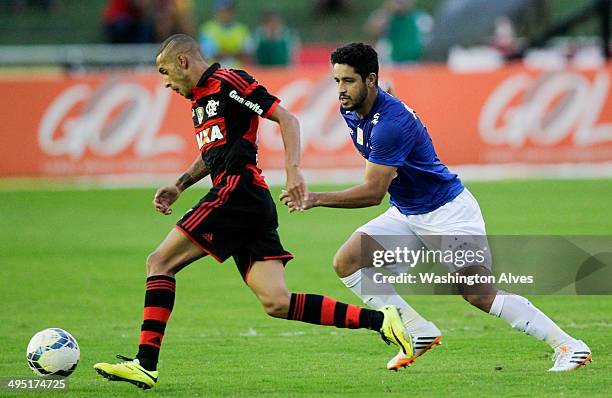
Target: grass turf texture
75,259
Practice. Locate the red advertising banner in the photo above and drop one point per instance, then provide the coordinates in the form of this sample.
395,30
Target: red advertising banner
131,124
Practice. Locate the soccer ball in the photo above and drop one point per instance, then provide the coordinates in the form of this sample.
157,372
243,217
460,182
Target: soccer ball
53,353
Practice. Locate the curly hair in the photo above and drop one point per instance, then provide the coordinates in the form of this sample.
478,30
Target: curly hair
362,57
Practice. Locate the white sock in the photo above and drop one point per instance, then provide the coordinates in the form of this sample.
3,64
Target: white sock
525,317
413,322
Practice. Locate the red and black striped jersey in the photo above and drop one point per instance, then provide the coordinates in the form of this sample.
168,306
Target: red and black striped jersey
226,106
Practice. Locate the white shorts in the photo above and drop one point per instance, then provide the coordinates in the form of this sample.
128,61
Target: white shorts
460,216
457,225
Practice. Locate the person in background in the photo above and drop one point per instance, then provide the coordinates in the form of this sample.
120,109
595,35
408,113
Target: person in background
399,26
19,6
325,7
273,41
128,21
225,40
504,37
173,16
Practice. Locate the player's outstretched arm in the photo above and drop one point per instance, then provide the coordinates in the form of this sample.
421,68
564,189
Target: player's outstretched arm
376,183
166,196
290,130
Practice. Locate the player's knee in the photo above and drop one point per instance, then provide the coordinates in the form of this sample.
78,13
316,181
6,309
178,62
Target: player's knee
481,301
156,264
277,307
344,265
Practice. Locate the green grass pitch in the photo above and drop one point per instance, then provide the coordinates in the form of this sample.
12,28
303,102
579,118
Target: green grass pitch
75,259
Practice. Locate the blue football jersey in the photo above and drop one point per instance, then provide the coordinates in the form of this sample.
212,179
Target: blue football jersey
392,135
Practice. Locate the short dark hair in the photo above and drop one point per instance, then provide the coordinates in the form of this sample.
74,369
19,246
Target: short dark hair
179,42
362,57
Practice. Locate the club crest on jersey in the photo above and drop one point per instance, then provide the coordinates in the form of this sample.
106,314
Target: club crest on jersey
197,115
211,108
359,136
208,135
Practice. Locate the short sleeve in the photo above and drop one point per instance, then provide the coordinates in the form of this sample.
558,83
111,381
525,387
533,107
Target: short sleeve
263,100
249,93
390,144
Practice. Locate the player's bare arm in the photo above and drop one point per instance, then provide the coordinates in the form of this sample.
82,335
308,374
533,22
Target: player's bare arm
290,130
376,183
166,196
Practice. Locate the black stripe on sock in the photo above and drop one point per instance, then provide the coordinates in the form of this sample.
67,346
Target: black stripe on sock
148,356
153,326
290,314
376,321
159,298
371,319
161,278
312,308
340,315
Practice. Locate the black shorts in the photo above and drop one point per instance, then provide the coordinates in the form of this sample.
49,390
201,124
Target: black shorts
237,218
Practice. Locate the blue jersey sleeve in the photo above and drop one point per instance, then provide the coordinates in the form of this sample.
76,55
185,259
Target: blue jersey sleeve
390,143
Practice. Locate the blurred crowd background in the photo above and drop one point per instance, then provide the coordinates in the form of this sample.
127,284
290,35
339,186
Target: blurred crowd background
285,32
508,88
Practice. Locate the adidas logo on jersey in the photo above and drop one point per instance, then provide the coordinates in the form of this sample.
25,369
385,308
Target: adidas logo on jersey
208,135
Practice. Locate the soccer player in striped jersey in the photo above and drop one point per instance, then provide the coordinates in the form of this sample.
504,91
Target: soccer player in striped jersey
237,217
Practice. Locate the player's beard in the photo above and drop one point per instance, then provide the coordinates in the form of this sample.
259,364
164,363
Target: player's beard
359,98
186,92
184,86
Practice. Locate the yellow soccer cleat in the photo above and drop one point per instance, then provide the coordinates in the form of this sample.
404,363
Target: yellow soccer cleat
392,331
129,370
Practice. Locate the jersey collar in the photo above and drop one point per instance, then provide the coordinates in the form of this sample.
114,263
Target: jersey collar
207,73
379,99
376,104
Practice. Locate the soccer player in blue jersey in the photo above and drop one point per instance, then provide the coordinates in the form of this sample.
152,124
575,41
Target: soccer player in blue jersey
426,199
